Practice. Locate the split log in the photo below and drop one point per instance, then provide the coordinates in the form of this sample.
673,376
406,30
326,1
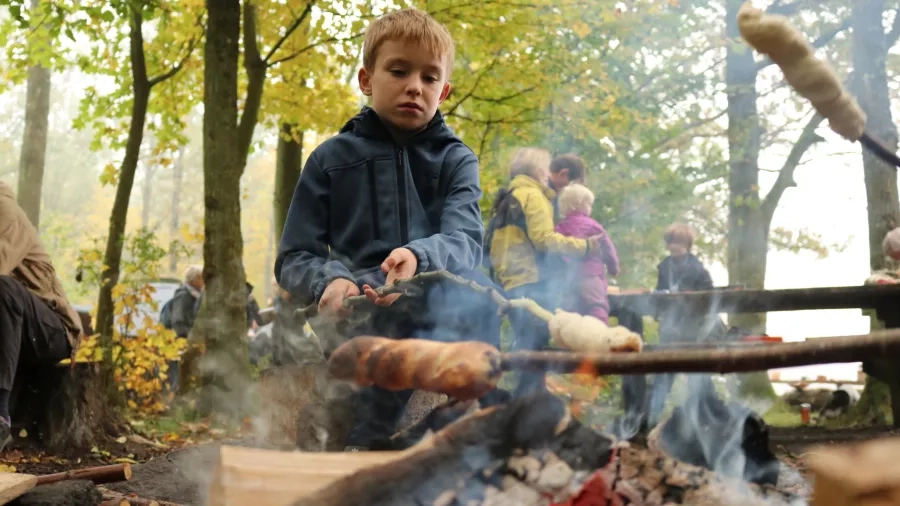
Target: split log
13,485
862,474
98,475
62,407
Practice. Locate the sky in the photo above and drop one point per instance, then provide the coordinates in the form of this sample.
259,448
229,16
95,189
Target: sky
830,199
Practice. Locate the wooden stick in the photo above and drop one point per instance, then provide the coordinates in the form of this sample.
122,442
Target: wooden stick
825,350
416,283
99,475
109,495
115,502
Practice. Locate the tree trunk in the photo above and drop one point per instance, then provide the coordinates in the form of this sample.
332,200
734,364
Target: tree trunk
174,215
748,232
871,89
34,140
114,242
221,324
288,165
147,195
870,85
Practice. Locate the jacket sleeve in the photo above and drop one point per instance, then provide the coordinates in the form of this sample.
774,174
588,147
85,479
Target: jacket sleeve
539,225
610,255
457,248
662,275
183,313
302,267
14,236
700,278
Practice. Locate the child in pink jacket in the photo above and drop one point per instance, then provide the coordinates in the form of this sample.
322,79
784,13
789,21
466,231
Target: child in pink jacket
589,274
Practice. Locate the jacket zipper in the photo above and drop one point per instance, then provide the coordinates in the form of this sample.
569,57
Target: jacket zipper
401,191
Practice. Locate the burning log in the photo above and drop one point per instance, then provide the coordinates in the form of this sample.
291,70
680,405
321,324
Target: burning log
467,370
132,500
527,452
98,475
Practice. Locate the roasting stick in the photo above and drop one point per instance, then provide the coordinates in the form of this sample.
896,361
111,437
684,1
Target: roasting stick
814,79
568,330
469,369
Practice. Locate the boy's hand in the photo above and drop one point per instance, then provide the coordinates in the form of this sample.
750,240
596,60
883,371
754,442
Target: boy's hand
332,301
400,264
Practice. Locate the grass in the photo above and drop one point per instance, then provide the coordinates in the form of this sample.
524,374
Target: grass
781,414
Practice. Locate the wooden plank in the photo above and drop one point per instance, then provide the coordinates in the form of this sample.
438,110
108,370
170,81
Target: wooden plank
761,301
276,478
12,485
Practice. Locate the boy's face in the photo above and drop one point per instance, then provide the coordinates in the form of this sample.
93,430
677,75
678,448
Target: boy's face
407,84
559,179
676,249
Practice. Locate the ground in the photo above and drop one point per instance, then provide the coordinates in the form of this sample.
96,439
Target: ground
177,470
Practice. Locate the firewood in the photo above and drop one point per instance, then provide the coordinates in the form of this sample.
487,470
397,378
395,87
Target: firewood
861,474
109,495
13,485
525,453
115,502
99,475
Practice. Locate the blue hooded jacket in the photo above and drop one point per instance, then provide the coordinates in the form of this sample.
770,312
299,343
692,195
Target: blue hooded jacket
361,195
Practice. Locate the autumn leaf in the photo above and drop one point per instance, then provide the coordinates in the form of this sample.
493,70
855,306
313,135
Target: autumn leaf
4,468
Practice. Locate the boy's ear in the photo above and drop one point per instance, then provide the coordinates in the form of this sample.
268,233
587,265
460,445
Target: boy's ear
365,82
444,93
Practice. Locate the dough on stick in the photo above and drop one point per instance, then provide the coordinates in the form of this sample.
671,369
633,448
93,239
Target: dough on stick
814,79
463,370
587,334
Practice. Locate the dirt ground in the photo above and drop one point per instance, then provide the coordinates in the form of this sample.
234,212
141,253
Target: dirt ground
794,441
182,475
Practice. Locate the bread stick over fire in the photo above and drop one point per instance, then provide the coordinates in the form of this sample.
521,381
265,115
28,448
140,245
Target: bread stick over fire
814,79
587,334
462,370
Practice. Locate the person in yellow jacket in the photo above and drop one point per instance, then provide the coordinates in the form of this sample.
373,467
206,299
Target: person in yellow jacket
520,243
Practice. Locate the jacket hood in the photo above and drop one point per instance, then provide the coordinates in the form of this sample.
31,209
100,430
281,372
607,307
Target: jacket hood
523,181
367,123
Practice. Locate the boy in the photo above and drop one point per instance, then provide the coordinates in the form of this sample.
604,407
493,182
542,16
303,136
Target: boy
396,193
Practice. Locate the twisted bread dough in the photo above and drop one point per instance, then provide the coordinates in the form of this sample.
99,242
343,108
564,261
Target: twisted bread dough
813,79
587,334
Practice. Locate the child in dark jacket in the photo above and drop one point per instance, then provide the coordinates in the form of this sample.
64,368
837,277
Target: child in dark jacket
396,193
588,273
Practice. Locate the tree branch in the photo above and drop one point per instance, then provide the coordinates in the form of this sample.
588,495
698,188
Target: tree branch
311,46
191,44
296,24
256,80
819,43
892,36
785,178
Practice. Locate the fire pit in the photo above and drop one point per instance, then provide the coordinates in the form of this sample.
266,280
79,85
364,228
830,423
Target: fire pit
528,451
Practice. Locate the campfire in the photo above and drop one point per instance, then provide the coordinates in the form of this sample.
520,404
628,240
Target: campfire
528,451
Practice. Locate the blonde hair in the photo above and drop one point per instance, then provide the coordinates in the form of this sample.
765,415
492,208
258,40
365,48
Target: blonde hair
192,273
408,25
529,161
679,233
575,197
